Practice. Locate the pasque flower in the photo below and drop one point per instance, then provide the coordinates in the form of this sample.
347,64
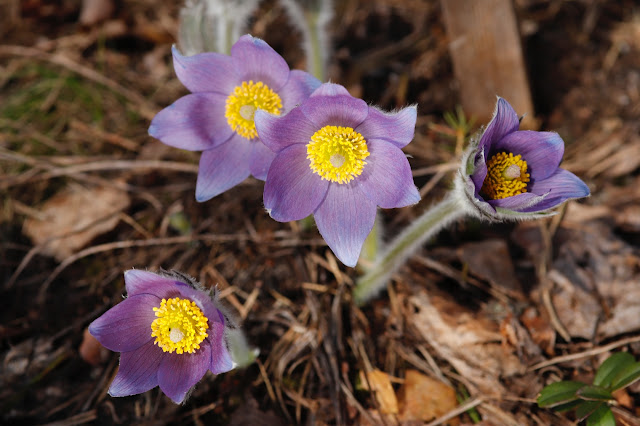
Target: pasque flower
511,173
169,333
337,158
218,116
504,174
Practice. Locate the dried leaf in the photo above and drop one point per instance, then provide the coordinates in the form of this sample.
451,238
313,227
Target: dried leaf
491,261
94,11
382,388
423,398
467,342
72,218
91,350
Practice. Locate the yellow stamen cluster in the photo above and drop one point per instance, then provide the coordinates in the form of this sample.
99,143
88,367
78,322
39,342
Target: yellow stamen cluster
337,153
181,326
243,103
506,176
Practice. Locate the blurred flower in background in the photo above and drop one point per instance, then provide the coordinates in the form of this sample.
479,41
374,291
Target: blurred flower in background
212,25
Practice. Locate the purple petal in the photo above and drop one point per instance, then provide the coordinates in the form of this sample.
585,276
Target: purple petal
178,373
518,202
206,72
292,190
138,371
223,167
339,110
480,171
204,302
559,187
504,121
127,325
261,158
194,122
221,361
279,132
138,282
541,150
397,128
255,60
344,219
330,89
298,88
386,179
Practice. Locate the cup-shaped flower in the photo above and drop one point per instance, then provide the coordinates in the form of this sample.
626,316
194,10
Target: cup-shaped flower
169,333
337,158
511,173
218,116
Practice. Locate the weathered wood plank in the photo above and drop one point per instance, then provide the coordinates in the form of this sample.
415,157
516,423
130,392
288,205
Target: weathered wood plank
487,56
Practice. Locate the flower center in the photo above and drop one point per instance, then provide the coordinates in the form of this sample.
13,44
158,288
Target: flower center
506,176
337,153
181,326
243,103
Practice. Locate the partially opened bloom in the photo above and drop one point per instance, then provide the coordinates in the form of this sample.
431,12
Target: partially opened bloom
218,116
169,333
511,173
337,158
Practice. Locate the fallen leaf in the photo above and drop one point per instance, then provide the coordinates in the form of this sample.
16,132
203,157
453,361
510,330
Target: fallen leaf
423,398
94,11
72,218
380,385
490,260
468,342
91,350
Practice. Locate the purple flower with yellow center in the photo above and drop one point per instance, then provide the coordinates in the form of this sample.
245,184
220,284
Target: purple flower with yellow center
337,158
169,333
515,173
218,116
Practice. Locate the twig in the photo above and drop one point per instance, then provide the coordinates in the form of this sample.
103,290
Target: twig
456,412
585,354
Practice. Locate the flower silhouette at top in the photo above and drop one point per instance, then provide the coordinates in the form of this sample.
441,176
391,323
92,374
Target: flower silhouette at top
337,158
511,173
218,116
169,333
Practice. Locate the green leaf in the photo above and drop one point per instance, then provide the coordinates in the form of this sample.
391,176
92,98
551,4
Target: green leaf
586,408
569,405
559,393
603,416
628,375
594,393
611,368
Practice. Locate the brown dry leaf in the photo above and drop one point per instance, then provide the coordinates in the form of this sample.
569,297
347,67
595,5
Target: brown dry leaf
539,329
382,388
490,260
72,218
94,11
423,398
597,283
91,350
469,343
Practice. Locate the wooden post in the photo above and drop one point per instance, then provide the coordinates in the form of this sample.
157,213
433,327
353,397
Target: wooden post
487,57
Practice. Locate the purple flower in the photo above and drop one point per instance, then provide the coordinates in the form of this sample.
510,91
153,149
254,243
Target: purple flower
217,117
169,334
515,173
337,158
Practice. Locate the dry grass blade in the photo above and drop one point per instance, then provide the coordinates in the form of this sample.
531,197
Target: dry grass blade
144,107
